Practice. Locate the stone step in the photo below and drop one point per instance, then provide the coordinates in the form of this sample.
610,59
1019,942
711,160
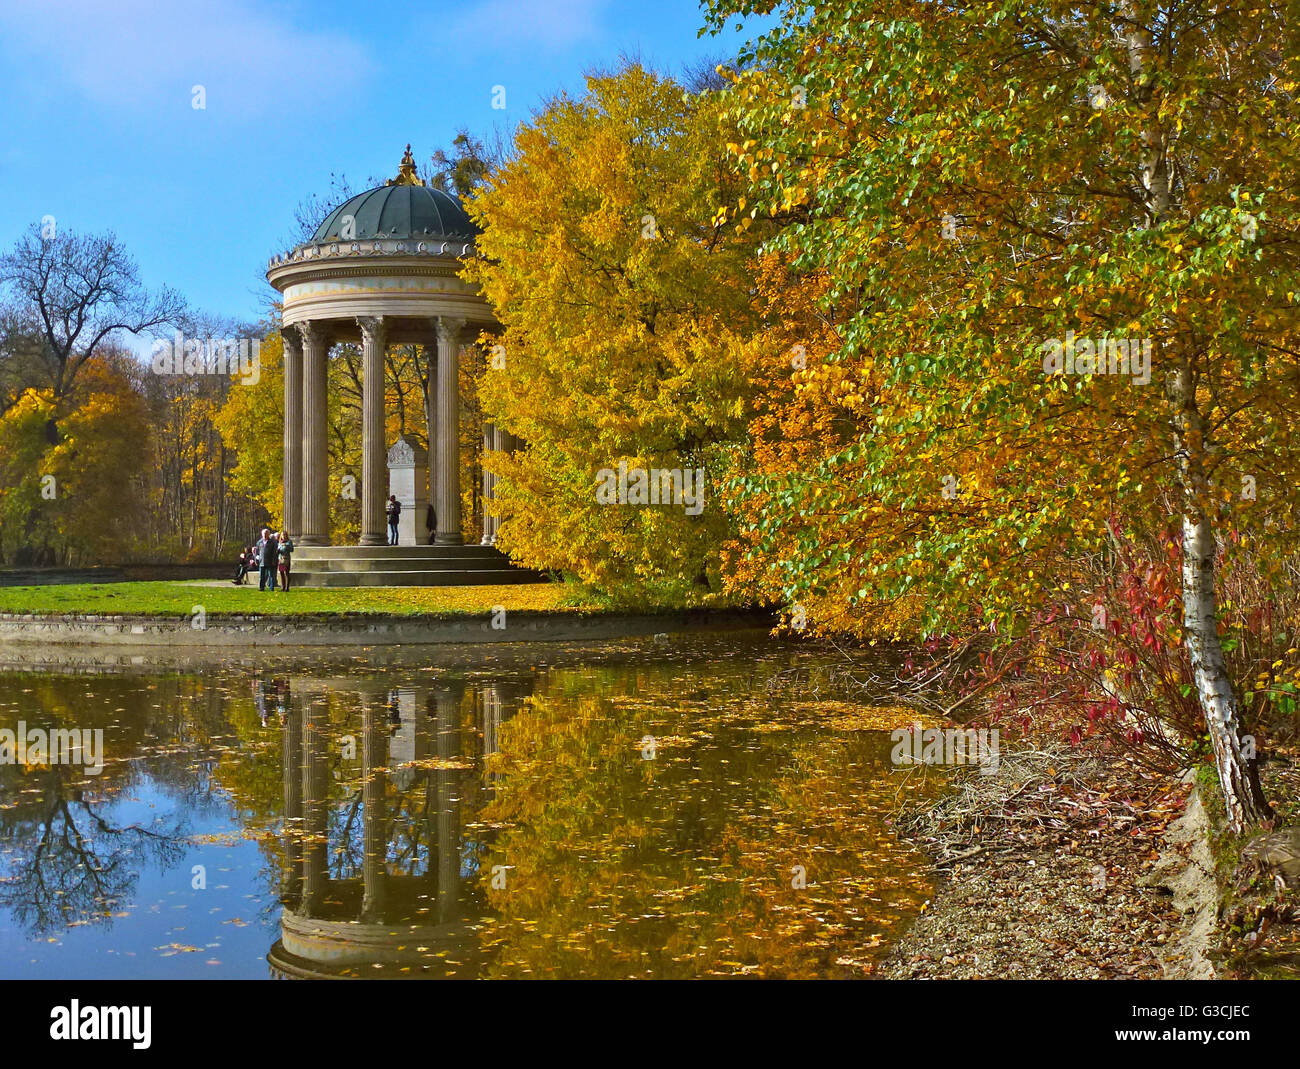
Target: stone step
461,577
424,552
401,564
469,565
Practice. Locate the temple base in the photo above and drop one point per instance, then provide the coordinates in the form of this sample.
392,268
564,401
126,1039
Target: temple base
452,565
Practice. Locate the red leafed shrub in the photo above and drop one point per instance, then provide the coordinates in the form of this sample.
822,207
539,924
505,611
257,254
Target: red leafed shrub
1107,666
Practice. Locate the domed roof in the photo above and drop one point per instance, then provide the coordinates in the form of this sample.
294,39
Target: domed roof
403,208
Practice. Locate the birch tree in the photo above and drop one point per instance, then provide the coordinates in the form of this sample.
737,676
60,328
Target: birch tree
1064,238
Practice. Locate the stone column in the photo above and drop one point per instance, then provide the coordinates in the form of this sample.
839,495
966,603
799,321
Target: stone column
448,781
374,448
448,452
293,778
315,518
430,347
292,512
374,870
499,441
315,822
489,482
502,442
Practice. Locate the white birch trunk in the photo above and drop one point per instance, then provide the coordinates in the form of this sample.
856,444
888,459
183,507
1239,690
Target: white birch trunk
1242,799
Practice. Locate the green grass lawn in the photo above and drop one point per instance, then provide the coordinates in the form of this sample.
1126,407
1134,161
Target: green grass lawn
220,598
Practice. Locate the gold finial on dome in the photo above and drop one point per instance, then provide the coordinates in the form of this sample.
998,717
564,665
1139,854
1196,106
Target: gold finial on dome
406,175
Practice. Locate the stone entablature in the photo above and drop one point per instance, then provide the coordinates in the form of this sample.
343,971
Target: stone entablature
404,287
387,247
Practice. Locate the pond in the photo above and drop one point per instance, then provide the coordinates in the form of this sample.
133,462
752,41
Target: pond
704,808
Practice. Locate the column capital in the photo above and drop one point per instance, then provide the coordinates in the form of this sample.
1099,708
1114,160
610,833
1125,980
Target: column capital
292,335
314,333
373,328
449,330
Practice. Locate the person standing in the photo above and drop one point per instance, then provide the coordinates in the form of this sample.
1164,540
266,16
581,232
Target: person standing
394,510
268,559
243,566
286,559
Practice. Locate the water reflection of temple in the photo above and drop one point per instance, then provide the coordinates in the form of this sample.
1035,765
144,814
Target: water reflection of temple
382,790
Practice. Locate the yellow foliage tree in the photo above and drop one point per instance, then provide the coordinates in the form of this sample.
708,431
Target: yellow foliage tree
623,289
73,501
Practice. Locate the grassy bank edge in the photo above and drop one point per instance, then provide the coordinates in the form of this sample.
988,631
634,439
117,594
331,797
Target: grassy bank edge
181,599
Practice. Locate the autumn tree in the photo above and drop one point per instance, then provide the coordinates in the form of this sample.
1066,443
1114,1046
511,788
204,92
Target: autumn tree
80,500
1011,193
313,208
470,161
75,428
622,288
75,292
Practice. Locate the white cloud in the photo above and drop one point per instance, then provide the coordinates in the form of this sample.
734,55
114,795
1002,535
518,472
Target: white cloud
553,25
137,53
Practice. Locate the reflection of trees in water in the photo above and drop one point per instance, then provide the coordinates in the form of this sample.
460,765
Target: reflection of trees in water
616,864
67,859
158,730
76,863
408,813
681,865
187,733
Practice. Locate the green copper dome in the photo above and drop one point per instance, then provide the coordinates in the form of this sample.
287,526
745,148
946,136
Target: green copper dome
403,208
399,211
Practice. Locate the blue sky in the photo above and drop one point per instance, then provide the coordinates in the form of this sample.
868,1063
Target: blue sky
101,132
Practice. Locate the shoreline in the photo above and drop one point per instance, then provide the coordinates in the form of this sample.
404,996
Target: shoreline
371,629
1045,877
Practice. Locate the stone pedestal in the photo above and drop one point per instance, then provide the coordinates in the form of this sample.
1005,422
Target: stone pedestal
408,478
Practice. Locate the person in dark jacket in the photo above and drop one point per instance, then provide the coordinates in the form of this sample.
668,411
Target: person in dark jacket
286,559
268,560
243,565
394,510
